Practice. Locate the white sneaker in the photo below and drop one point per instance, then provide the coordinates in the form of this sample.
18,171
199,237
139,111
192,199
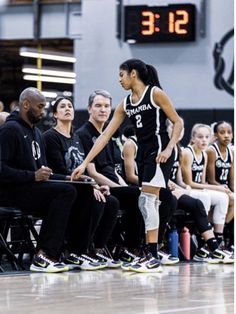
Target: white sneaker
74,261
202,255
147,264
103,257
167,259
128,266
219,256
42,263
87,260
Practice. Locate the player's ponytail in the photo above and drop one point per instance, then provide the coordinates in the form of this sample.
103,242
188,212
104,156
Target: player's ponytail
146,73
153,78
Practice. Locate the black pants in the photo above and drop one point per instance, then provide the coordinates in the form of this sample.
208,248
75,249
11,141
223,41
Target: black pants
197,210
106,225
86,212
90,220
132,219
166,209
52,202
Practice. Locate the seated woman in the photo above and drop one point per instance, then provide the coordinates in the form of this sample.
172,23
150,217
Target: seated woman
220,171
95,211
193,166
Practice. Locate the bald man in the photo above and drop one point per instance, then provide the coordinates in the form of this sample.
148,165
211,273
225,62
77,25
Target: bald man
23,176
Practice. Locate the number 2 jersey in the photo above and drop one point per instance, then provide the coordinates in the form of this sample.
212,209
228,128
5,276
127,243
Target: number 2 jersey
222,166
147,117
152,137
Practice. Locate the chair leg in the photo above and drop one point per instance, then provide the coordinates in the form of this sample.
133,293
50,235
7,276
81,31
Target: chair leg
12,258
25,227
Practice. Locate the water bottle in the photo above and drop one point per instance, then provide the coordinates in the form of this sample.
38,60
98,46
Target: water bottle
185,243
173,242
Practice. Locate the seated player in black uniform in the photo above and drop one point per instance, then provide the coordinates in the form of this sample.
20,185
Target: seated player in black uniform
220,171
193,166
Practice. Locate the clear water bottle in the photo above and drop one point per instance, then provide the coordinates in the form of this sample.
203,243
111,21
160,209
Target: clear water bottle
185,244
173,242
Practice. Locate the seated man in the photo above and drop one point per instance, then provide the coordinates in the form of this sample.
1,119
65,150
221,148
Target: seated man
102,169
23,176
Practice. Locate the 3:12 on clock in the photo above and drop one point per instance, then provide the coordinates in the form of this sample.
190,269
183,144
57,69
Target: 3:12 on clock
160,23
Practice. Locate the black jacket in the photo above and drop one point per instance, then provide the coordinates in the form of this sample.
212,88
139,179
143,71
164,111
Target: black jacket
21,152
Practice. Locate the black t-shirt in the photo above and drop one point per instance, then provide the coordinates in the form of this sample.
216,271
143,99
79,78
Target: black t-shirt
103,161
64,154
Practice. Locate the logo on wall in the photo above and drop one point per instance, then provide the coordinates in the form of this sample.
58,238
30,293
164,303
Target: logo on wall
220,81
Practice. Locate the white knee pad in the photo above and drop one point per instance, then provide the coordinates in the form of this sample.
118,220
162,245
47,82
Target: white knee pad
149,205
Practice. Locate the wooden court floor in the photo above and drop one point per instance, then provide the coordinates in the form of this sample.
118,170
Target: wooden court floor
185,288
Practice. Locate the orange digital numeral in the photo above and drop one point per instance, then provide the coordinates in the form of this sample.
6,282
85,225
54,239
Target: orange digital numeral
149,23
175,26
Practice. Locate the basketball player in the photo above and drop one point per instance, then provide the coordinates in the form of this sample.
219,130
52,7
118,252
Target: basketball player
193,164
148,107
220,166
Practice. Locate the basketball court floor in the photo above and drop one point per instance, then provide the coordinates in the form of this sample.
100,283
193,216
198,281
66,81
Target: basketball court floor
188,288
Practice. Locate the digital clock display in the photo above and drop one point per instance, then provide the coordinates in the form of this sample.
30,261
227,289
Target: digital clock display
172,23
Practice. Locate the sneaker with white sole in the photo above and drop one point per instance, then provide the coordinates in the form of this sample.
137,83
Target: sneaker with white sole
218,256
42,263
74,261
202,255
128,259
104,257
167,259
125,256
127,266
92,258
147,264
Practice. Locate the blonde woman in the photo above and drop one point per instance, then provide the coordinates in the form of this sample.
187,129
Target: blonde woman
193,165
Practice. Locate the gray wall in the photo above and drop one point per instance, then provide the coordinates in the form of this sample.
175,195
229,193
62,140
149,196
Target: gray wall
186,69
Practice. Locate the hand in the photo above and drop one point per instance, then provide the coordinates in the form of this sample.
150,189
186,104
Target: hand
105,189
99,196
171,185
188,187
163,156
86,178
43,173
76,174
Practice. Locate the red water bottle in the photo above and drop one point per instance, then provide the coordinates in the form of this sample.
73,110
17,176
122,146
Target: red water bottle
185,243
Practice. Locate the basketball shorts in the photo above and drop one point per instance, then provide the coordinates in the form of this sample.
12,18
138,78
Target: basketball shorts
150,173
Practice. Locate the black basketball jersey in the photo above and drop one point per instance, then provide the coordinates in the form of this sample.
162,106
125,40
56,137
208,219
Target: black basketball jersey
147,117
222,166
197,166
175,167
